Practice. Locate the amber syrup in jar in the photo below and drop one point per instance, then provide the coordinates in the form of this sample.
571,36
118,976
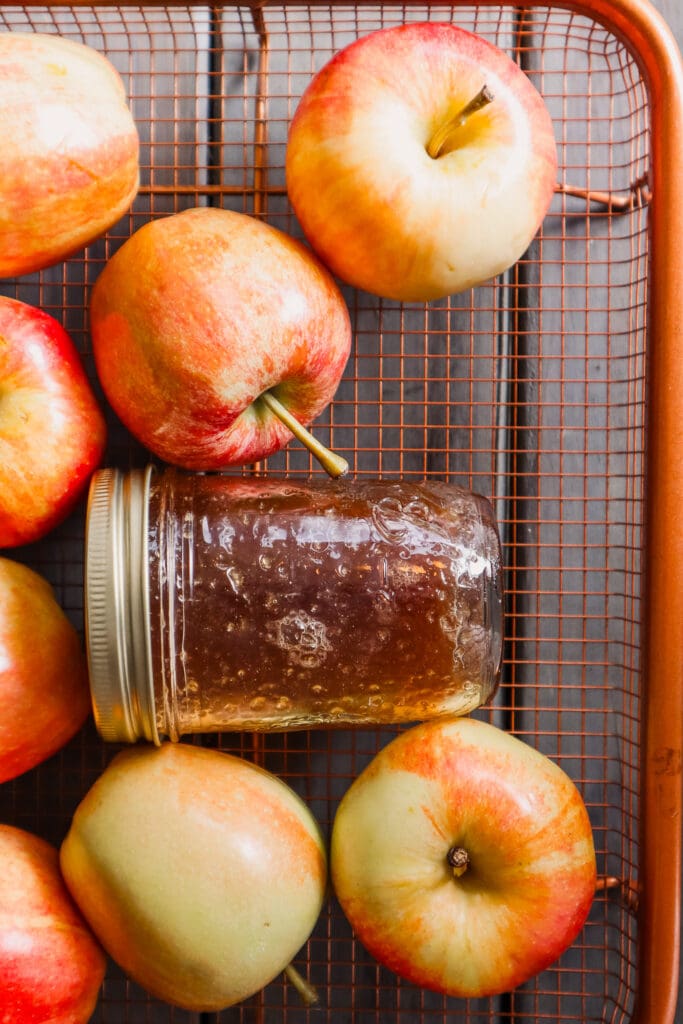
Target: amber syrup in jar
266,604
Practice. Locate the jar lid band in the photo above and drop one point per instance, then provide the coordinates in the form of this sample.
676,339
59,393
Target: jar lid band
117,617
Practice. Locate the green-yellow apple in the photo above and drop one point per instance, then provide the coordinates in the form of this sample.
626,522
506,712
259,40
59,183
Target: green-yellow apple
201,874
52,432
69,158
43,680
51,966
202,316
463,858
421,161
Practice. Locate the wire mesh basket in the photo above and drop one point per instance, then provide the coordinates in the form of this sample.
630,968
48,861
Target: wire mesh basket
553,390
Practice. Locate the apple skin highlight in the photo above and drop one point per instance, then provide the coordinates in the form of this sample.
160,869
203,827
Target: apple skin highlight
69,164
43,676
201,874
51,966
531,877
52,431
200,313
375,206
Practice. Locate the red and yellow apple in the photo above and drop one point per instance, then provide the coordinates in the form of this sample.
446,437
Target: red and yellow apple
51,966
52,432
463,858
201,874
69,158
421,161
199,319
43,680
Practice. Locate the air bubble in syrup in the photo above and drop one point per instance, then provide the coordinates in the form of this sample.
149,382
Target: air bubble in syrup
303,637
385,514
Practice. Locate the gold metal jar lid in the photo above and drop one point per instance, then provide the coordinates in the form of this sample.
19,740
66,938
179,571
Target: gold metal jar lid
117,621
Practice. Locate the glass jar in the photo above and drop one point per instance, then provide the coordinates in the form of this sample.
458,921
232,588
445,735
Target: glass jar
218,603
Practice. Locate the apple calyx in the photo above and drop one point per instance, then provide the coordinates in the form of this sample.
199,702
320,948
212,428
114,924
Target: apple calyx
308,994
459,860
444,134
332,463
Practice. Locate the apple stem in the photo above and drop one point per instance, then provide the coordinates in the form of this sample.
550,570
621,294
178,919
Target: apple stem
332,463
308,994
443,134
459,860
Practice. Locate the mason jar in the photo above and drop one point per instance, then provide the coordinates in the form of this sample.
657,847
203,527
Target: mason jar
223,603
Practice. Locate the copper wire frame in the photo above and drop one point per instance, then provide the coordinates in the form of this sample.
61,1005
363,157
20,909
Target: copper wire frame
554,390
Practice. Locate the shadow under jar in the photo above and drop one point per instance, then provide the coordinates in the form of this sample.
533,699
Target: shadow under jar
221,603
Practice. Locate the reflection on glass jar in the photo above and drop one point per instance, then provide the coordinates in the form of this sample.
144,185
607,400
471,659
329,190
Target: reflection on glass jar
223,603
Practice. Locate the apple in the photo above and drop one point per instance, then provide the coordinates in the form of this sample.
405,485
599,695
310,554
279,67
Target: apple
52,432
205,319
51,966
201,874
420,162
463,858
43,680
69,158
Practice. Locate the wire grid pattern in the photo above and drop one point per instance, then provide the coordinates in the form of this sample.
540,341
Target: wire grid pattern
530,389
